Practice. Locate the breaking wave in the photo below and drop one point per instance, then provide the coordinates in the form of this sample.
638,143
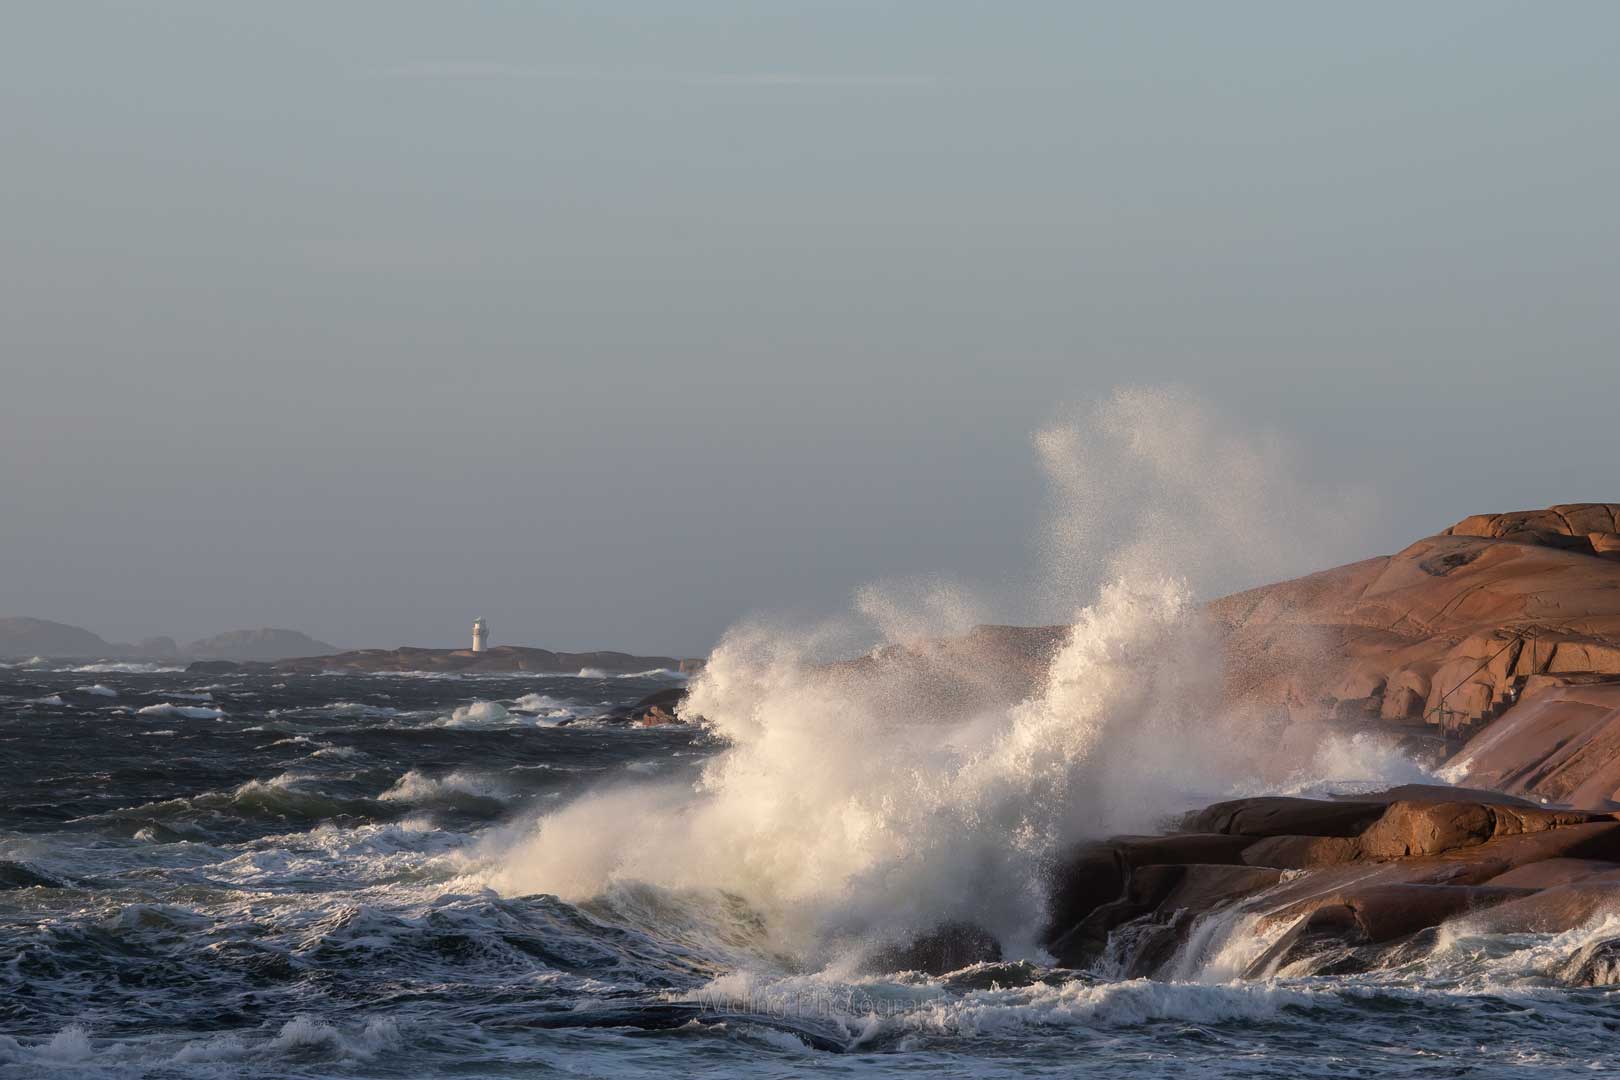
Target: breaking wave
864,801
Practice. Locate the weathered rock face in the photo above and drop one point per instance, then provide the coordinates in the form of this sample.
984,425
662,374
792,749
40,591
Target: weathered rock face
1561,742
1590,527
1389,637
1334,885
1502,623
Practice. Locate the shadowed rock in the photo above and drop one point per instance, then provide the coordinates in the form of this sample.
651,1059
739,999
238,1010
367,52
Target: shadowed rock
948,947
1598,964
1375,872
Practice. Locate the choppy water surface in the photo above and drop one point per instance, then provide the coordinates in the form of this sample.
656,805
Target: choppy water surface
206,875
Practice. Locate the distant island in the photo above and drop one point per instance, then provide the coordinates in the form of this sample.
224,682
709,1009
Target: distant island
263,645
26,637
499,658
293,652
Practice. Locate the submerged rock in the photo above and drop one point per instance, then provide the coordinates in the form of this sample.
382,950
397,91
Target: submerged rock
1598,964
948,947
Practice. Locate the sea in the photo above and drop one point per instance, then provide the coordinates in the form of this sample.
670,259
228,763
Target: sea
228,875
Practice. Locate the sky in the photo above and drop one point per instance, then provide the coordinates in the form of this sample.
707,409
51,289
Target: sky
616,322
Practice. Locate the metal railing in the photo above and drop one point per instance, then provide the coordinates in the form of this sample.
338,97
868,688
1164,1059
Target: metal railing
1441,714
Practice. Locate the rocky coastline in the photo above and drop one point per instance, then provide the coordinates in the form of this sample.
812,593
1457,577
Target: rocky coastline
1490,651
1334,886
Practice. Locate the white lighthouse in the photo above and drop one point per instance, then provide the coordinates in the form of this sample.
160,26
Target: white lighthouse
480,634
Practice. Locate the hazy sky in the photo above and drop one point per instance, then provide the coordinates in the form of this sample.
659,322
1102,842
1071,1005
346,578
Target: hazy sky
611,324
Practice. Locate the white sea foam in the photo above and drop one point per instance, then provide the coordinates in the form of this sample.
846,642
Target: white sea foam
1348,764
70,1046
356,708
302,1034
867,1008
881,798
476,714
544,706
98,690
217,1048
122,667
189,712
53,699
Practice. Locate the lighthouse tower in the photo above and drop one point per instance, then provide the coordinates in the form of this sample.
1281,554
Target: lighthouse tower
480,634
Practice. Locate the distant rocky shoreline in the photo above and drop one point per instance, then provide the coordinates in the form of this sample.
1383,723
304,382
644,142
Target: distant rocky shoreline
501,659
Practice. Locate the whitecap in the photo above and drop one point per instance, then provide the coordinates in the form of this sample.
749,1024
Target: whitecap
475,714
98,690
189,712
71,1045
226,1047
547,707
459,786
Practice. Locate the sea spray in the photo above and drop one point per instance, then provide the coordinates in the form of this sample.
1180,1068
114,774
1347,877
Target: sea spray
863,801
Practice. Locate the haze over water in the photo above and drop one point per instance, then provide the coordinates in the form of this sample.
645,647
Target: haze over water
612,326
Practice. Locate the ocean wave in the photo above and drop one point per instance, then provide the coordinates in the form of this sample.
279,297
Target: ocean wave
189,712
872,1007
287,796
122,667
547,707
53,699
97,690
293,793
476,714
459,788
300,1037
70,1046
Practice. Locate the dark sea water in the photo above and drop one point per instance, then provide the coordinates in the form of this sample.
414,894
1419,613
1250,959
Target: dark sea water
205,875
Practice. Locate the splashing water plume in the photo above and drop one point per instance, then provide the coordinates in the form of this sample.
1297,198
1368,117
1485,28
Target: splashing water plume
868,799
